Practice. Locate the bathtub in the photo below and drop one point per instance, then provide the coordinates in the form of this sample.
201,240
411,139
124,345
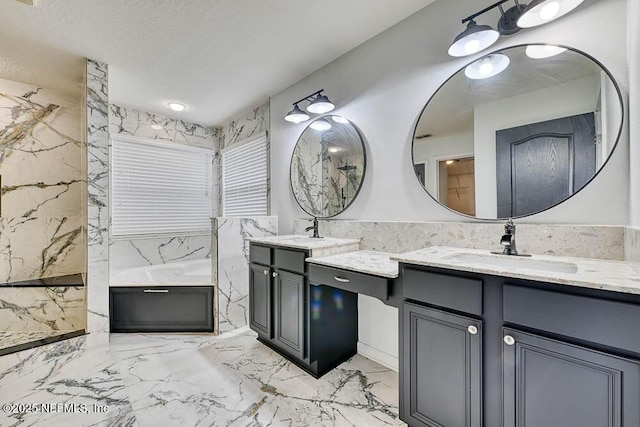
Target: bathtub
188,273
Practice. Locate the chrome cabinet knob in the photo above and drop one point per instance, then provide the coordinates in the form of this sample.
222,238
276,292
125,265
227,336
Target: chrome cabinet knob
509,340
274,274
472,329
266,272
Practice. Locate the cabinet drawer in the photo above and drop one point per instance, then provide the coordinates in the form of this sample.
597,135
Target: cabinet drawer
161,309
457,293
366,284
260,254
289,260
611,323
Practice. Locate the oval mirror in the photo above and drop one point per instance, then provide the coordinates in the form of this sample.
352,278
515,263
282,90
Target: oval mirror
327,166
517,131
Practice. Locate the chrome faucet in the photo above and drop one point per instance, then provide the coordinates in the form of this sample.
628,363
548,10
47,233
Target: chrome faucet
508,240
314,227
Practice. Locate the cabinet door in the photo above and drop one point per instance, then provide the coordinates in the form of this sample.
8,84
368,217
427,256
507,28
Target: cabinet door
552,383
289,306
441,375
260,300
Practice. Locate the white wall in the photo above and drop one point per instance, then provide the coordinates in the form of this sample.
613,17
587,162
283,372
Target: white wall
523,109
432,150
382,86
633,17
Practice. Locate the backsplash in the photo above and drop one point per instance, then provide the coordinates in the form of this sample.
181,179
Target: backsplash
42,214
602,242
632,245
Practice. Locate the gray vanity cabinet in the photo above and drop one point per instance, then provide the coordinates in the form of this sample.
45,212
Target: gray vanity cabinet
289,303
442,368
295,318
553,383
260,304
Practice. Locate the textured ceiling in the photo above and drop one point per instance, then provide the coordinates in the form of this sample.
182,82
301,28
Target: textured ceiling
220,57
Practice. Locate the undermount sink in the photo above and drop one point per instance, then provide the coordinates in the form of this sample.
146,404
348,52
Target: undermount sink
514,261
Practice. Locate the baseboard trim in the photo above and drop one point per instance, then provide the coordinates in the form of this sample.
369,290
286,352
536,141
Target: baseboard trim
378,356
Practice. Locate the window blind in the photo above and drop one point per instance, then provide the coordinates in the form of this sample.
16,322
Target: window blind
159,189
244,179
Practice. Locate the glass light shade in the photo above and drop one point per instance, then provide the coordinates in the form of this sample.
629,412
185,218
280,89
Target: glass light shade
488,66
320,105
542,11
320,125
474,39
296,115
541,51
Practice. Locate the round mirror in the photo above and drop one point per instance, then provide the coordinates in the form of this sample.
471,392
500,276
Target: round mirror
327,166
517,131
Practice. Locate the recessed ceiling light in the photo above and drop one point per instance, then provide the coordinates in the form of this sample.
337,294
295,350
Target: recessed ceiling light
176,106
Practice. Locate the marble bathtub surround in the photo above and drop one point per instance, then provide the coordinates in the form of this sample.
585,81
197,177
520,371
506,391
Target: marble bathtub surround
42,220
617,276
141,252
97,119
324,246
368,262
587,241
230,380
230,243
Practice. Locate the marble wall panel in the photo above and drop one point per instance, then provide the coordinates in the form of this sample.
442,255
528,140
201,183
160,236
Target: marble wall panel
248,126
42,213
232,267
131,253
41,308
602,242
632,246
97,118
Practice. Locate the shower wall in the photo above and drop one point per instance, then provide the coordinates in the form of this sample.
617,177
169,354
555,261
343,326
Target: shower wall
42,214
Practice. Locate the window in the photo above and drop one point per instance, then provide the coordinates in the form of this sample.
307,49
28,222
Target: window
159,188
244,178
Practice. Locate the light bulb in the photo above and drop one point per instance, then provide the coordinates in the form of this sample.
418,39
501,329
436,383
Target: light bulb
549,11
486,67
472,46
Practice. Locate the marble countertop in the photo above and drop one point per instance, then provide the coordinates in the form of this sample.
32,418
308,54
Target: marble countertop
617,276
368,262
302,241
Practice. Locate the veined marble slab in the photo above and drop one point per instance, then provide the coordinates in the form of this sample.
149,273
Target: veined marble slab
42,308
324,246
368,262
17,340
231,271
588,241
617,276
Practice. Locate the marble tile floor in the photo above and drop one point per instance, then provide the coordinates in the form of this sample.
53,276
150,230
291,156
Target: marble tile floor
19,340
187,380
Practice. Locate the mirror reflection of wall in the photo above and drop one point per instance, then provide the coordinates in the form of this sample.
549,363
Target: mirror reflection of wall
327,166
537,133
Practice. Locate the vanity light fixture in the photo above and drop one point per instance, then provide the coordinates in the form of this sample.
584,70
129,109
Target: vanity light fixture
541,51
476,38
487,66
320,125
318,104
176,106
542,11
